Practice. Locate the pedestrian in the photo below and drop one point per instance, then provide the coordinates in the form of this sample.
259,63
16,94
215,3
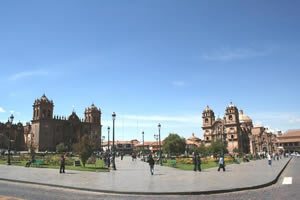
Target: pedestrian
62,164
151,164
195,161
122,154
269,159
198,162
221,164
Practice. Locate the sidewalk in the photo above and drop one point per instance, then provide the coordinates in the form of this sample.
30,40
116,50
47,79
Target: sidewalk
135,178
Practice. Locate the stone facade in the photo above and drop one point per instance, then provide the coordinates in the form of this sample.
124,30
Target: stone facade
16,132
262,141
234,128
46,130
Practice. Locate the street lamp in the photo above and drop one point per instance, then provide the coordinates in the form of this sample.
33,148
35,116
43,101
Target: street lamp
160,160
114,153
9,124
108,128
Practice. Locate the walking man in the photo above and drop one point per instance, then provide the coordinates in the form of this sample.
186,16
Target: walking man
198,158
195,161
62,164
269,159
151,164
221,164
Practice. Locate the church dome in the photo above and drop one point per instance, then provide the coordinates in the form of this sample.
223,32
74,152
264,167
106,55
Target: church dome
194,138
73,117
207,109
244,118
231,105
93,108
43,99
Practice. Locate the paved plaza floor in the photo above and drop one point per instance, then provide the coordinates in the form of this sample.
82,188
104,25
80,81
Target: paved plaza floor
135,177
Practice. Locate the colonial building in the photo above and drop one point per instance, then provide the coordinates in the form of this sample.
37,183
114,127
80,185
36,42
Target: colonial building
262,141
289,142
13,132
234,128
192,143
47,130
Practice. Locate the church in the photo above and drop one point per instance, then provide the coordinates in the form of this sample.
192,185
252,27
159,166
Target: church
234,129
47,130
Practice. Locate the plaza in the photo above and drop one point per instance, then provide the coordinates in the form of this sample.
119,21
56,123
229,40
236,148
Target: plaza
133,177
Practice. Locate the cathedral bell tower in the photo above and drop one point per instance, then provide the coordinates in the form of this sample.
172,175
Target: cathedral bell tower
232,115
42,109
208,117
92,115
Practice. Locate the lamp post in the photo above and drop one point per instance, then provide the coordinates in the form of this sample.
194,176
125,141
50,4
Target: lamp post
108,128
160,160
9,142
113,148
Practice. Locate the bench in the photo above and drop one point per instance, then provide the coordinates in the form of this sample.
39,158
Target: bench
172,163
77,163
38,162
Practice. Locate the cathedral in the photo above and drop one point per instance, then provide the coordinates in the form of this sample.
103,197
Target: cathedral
47,130
234,129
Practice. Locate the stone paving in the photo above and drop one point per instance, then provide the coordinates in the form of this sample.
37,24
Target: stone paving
135,177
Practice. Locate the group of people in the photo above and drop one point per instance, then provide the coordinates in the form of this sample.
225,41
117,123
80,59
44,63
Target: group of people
197,162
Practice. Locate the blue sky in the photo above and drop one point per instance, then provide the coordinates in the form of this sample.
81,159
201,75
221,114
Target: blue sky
152,61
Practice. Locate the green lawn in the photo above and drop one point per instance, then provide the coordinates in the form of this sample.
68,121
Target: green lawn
98,167
207,165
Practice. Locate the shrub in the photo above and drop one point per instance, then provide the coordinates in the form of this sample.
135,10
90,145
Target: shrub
91,160
55,160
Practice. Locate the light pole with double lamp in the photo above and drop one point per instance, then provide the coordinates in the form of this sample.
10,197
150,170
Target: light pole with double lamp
160,160
114,150
10,123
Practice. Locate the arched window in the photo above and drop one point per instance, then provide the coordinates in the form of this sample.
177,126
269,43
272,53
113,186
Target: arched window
206,120
207,138
49,113
44,114
230,117
232,136
37,113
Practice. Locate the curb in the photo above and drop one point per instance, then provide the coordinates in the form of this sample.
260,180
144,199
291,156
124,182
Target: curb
158,193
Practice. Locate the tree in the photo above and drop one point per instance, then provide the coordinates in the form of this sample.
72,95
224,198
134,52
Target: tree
218,147
60,148
174,144
203,150
85,148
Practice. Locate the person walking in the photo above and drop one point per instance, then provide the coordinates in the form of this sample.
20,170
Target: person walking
62,164
221,164
122,154
269,159
151,164
195,161
198,158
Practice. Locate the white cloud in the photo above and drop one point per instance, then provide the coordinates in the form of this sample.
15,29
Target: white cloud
179,83
2,110
11,111
294,121
21,75
258,123
228,54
